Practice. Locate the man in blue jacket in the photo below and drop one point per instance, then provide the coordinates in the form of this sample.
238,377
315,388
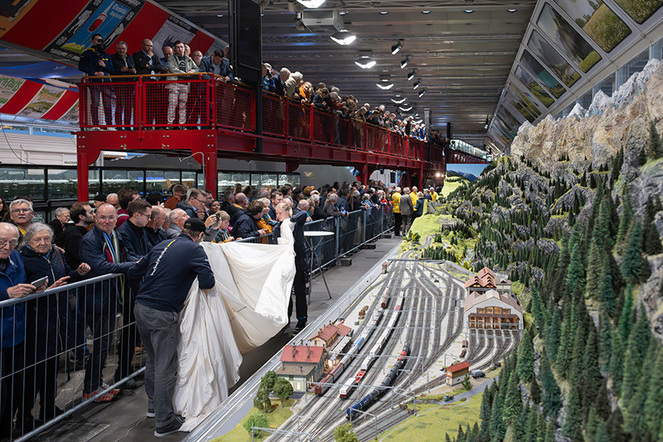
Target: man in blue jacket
102,250
246,225
96,62
12,333
168,278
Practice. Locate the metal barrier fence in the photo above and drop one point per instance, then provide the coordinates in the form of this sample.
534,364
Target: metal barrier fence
78,343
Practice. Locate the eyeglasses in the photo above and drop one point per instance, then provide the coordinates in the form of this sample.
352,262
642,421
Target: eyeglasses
12,243
21,210
98,40
145,214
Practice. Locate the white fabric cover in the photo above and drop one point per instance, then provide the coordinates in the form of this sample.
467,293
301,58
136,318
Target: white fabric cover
247,306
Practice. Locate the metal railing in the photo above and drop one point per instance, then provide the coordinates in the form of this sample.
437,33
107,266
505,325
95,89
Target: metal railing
351,232
199,101
75,336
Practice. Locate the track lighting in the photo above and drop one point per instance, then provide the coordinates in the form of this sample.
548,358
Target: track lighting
422,92
416,84
365,62
396,47
311,4
405,62
411,75
385,83
344,37
398,100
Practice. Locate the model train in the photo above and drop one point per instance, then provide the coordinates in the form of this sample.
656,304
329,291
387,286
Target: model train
333,376
378,392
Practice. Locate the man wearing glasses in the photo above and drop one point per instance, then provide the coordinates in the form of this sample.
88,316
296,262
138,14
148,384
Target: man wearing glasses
21,214
95,62
12,328
147,63
134,240
194,206
102,250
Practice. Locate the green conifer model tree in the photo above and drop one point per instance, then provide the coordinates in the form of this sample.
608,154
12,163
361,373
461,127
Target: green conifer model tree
512,403
624,222
653,410
572,425
552,335
651,239
526,358
551,398
634,267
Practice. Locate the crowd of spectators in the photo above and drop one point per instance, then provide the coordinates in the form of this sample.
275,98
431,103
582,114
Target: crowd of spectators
110,236
179,61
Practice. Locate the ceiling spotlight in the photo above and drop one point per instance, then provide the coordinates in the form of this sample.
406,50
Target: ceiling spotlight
411,75
344,37
405,62
422,92
365,62
398,100
312,4
406,109
219,15
396,47
425,12
385,83
469,11
384,12
416,84
512,9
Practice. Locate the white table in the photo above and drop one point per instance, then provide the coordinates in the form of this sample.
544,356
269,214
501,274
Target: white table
311,237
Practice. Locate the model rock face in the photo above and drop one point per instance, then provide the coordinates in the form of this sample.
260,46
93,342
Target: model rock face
596,135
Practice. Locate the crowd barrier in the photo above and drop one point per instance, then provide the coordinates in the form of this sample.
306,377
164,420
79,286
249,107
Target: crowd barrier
81,334
84,333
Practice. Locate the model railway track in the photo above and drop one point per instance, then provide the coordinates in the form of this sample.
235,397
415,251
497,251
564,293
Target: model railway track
326,412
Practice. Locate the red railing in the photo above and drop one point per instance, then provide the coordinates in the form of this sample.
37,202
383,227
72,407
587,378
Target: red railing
198,101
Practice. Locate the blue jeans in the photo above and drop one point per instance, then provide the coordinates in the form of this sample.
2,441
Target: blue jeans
160,334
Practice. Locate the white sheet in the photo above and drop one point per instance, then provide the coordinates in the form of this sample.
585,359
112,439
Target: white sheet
247,306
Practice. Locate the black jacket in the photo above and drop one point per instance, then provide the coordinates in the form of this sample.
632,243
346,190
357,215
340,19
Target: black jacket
300,246
89,63
168,277
118,63
155,236
43,313
145,64
246,226
71,240
134,239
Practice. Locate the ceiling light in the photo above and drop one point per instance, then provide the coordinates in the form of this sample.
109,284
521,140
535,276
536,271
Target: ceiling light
411,75
416,84
311,3
396,47
365,62
469,11
343,38
512,10
219,15
385,82
422,92
425,12
405,62
384,12
398,100
406,109
342,12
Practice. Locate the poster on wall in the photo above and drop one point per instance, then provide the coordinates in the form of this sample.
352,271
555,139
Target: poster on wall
173,30
11,12
8,87
42,102
106,17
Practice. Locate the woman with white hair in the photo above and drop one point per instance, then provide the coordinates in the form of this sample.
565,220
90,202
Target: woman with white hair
43,259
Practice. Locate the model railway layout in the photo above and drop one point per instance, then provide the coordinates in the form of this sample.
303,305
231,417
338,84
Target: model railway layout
413,320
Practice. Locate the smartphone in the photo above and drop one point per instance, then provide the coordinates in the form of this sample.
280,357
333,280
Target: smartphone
40,282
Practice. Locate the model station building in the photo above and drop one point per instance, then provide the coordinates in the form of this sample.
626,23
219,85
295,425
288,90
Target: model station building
456,373
301,364
490,304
